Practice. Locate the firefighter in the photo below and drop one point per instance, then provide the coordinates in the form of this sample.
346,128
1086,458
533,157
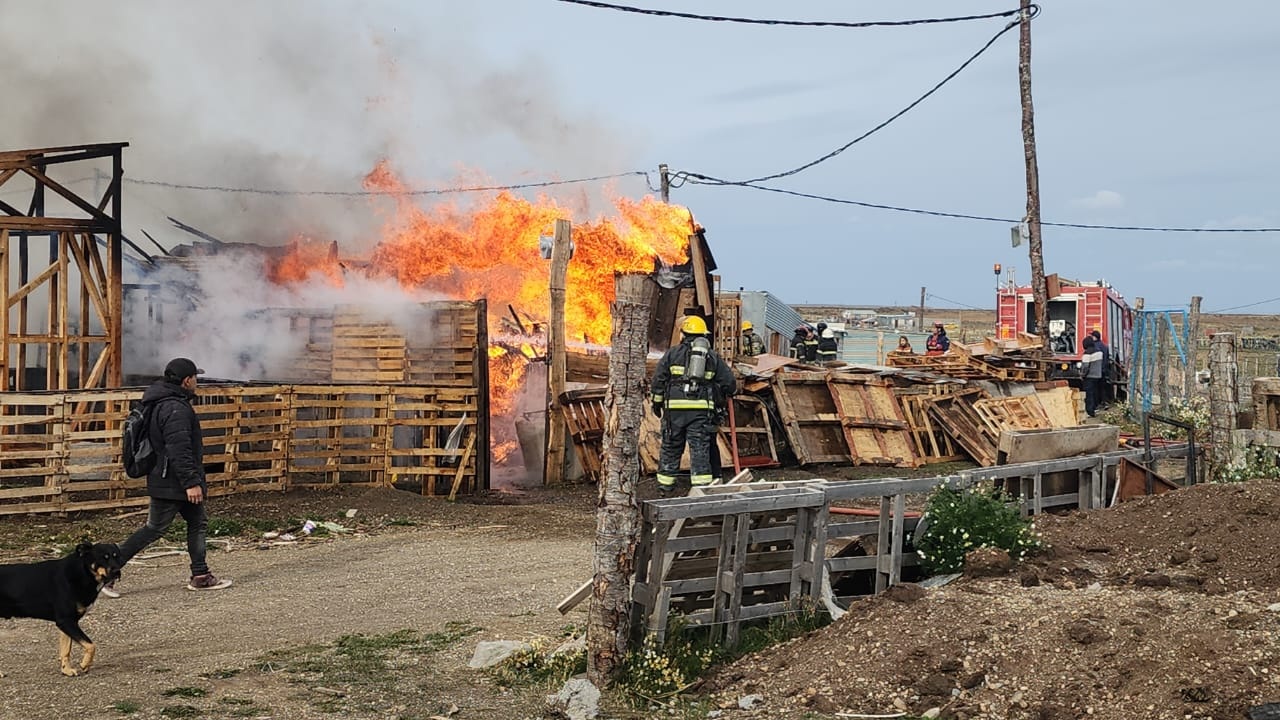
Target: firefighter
827,346
810,345
752,345
797,342
938,343
690,388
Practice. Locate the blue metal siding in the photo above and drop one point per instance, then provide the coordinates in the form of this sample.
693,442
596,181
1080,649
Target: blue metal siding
868,347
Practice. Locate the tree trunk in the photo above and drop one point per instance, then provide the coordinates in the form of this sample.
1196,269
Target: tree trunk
618,513
1222,399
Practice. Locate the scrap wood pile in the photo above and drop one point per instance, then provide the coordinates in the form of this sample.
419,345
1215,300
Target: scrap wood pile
788,413
1019,359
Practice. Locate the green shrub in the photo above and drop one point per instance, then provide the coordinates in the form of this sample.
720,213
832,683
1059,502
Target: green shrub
539,664
1257,463
957,521
653,672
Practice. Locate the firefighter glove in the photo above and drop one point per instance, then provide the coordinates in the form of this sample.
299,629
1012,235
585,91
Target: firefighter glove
657,409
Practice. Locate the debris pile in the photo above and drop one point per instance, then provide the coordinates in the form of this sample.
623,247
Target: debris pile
1167,606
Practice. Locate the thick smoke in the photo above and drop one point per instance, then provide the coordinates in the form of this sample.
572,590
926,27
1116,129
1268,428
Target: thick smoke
264,95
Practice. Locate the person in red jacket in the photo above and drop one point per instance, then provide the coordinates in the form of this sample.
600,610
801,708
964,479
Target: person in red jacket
938,343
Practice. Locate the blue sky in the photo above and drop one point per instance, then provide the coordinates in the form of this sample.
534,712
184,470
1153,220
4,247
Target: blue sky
1148,112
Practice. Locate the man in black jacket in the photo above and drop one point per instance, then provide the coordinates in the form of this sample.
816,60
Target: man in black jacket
689,406
176,484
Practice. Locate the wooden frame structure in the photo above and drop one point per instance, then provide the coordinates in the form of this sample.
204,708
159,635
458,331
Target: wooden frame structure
72,306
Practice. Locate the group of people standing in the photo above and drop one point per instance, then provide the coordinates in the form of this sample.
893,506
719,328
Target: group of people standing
814,344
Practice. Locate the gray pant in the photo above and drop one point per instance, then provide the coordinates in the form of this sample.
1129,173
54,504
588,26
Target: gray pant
158,521
695,427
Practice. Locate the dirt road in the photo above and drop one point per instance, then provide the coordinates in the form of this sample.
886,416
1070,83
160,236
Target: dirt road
162,638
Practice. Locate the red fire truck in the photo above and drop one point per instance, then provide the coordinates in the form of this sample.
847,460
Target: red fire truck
1075,310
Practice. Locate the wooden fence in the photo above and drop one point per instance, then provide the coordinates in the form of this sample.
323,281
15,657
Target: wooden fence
743,552
60,450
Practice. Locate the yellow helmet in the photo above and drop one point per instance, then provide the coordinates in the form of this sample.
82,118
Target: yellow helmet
746,325
693,325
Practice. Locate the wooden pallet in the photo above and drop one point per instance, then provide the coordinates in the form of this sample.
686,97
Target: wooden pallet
809,415
955,414
256,438
874,426
1011,413
932,443
584,416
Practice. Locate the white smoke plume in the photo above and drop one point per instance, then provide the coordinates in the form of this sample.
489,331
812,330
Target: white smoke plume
244,93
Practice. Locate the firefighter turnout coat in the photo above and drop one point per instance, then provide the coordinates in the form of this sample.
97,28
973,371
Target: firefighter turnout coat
689,411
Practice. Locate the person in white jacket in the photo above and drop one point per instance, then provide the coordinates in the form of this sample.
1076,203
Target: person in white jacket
1091,375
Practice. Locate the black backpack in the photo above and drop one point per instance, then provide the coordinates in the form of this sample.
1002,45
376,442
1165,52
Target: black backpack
136,450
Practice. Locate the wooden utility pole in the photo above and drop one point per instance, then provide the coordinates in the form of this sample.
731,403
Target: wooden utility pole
920,314
1039,288
553,472
1223,405
664,182
618,513
1193,341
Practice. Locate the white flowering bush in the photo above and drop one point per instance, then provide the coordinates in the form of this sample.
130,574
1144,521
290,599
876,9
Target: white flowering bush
1193,411
957,521
655,672
1257,463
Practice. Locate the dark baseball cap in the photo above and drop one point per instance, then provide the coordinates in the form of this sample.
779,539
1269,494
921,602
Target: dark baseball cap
181,368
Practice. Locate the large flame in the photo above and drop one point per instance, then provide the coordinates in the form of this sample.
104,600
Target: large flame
491,250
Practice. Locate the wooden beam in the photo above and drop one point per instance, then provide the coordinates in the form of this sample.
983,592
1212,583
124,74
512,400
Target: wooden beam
482,395
5,271
115,279
70,196
51,224
553,472
31,285
700,276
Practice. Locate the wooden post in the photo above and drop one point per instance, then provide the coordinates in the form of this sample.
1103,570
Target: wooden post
481,370
1039,287
664,182
115,280
701,287
618,516
1222,399
1193,336
553,471
920,314
1164,354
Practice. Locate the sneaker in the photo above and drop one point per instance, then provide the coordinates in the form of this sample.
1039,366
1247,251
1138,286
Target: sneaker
109,590
207,581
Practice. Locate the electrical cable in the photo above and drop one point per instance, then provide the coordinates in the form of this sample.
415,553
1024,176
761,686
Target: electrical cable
893,117
794,23
718,182
1241,307
374,193
958,304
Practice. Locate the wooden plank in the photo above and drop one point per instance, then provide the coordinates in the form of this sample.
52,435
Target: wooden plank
874,428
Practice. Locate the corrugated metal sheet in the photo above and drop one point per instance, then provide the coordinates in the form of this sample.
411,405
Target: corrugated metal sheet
869,347
770,316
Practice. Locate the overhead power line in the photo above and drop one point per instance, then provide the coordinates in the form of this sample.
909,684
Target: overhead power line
954,302
366,193
1242,307
717,182
790,23
893,117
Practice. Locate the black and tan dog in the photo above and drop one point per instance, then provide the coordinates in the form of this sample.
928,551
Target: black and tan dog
61,591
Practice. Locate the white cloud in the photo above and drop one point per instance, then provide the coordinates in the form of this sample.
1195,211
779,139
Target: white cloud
1101,200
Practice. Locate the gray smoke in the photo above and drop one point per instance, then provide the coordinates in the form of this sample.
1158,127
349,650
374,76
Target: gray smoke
270,95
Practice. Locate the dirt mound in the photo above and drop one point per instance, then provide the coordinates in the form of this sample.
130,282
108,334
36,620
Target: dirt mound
1207,538
1162,607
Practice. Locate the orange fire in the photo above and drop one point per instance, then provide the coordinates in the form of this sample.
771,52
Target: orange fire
491,251
303,258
